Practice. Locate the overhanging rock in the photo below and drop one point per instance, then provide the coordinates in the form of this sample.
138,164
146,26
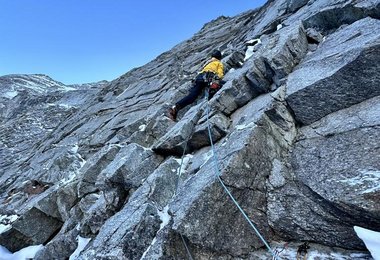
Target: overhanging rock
342,72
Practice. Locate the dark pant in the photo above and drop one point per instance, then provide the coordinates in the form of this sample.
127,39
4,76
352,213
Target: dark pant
195,91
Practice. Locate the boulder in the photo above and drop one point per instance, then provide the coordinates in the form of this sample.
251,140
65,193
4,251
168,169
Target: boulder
341,73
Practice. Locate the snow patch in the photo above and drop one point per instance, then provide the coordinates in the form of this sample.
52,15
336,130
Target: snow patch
82,243
185,162
6,221
242,127
251,47
10,94
4,228
165,219
142,128
371,240
164,216
249,52
25,253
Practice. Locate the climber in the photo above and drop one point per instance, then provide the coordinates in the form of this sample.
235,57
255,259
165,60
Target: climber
210,76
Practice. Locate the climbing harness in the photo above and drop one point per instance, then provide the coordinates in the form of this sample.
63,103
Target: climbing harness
302,251
217,173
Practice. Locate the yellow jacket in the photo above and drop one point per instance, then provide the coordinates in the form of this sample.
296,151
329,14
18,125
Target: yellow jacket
215,66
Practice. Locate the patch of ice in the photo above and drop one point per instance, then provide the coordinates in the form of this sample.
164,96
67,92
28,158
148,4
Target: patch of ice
371,240
82,243
142,128
25,253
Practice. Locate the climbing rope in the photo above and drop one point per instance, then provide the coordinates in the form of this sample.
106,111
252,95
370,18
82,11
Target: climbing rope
217,173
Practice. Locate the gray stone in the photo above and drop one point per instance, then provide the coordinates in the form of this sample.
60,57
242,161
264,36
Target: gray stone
60,248
97,208
201,199
330,17
277,57
58,202
294,5
219,124
175,140
131,166
85,161
93,167
313,36
335,168
131,231
332,78
27,231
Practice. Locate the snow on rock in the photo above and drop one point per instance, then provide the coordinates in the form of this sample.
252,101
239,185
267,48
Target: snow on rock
142,128
25,253
368,179
6,221
251,46
10,94
82,243
371,239
183,164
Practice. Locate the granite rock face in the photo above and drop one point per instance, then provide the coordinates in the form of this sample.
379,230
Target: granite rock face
340,73
293,136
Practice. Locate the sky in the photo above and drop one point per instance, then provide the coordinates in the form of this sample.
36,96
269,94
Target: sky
81,41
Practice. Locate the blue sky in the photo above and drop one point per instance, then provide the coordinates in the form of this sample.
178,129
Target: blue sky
78,41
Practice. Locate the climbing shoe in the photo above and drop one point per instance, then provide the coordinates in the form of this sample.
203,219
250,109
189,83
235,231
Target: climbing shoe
173,113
